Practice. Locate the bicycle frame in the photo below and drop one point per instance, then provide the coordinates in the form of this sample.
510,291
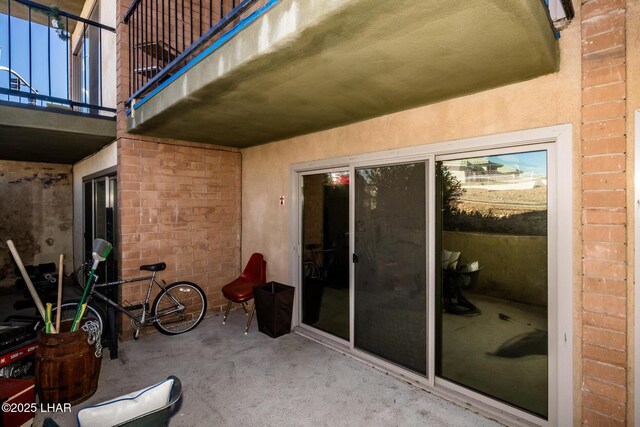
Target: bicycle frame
146,318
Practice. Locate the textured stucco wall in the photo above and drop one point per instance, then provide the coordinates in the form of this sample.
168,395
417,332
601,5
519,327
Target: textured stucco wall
107,16
548,100
311,65
104,159
36,213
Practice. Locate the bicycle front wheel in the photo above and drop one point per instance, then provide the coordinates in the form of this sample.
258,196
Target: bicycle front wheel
179,308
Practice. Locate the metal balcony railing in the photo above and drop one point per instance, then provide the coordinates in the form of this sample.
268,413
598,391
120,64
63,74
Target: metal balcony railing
165,34
51,58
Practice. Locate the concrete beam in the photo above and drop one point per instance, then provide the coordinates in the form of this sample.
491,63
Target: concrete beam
306,66
50,135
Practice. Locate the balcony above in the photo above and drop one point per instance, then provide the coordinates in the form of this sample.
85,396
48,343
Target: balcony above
52,104
295,67
50,135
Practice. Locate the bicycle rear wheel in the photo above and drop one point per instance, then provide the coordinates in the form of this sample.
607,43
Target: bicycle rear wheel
170,319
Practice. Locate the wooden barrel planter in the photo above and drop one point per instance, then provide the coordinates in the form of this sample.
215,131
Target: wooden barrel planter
67,369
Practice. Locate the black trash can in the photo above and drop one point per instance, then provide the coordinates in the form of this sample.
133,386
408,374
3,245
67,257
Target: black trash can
274,306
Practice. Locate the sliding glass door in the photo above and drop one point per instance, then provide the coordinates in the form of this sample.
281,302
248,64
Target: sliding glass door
492,246
325,243
445,268
390,315
100,197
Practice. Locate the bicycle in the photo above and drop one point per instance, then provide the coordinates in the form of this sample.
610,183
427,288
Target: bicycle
314,268
178,307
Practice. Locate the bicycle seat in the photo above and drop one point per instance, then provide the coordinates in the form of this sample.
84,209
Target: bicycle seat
154,267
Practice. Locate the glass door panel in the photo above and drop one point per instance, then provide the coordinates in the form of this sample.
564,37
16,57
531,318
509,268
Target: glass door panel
325,240
100,221
492,328
99,209
88,219
390,270
100,196
112,236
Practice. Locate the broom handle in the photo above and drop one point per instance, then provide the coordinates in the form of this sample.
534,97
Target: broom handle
83,301
27,280
59,291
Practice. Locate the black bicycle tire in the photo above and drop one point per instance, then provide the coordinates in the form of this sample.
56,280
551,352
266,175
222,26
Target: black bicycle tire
74,303
158,323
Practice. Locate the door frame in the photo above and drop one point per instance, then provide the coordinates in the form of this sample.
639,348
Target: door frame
554,290
561,385
109,176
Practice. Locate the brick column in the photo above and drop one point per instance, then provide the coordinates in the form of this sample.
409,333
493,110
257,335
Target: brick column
178,202
604,214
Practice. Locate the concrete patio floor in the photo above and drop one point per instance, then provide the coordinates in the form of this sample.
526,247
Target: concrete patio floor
229,378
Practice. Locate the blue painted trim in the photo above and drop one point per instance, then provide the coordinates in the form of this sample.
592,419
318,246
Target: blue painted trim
215,46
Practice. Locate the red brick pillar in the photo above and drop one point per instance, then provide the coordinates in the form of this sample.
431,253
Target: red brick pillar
604,214
178,203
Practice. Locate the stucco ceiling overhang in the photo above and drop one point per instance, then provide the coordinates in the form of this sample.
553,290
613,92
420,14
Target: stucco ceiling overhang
50,136
306,66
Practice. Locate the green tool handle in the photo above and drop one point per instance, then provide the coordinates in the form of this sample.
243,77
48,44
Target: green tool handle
47,319
78,315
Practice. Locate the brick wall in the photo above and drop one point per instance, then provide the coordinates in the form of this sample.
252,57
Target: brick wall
179,203
604,214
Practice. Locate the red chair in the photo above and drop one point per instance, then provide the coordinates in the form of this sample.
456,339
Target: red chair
241,289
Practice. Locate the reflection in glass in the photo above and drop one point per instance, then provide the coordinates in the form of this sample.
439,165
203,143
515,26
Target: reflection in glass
390,273
112,236
492,248
100,225
325,239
